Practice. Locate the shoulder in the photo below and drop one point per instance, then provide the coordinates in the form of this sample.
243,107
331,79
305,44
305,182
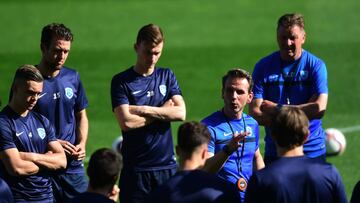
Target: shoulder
268,59
68,71
311,59
213,119
124,75
249,119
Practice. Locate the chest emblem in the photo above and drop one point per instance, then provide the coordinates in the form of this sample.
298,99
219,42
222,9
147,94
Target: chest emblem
41,133
69,92
162,89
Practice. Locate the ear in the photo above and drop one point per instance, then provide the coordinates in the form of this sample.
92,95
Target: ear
250,97
304,37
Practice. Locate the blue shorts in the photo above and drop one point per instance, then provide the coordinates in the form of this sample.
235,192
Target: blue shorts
67,185
135,186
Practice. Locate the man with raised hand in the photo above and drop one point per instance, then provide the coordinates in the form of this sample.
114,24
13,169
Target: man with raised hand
145,99
28,146
63,102
234,147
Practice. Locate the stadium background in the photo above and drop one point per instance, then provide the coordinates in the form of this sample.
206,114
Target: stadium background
204,39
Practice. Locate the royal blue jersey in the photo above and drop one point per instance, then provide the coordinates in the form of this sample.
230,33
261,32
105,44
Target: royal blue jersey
295,83
5,192
296,180
90,197
194,186
150,147
32,133
62,97
237,166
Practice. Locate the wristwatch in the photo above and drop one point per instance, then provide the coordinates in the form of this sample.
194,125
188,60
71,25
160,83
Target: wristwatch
226,149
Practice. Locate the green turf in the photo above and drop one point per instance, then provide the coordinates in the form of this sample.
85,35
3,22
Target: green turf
203,39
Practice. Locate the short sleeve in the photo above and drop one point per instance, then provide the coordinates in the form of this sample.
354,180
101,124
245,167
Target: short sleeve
319,75
118,93
6,136
174,88
81,99
258,88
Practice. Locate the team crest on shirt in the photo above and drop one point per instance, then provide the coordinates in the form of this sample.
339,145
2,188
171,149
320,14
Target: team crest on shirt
162,89
304,74
249,130
69,92
41,133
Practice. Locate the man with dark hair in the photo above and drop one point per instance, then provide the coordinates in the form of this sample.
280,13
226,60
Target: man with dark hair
294,177
28,146
234,145
291,76
103,171
63,102
190,183
145,99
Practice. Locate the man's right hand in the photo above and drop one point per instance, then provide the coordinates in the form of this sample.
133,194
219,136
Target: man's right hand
69,148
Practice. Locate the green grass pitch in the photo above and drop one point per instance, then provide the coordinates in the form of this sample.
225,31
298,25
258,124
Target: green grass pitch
203,40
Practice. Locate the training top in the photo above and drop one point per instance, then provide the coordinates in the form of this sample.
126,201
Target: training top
221,134
62,97
5,192
193,187
296,180
32,133
296,82
150,147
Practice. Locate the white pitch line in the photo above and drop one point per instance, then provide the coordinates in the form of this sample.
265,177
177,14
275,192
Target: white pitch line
350,129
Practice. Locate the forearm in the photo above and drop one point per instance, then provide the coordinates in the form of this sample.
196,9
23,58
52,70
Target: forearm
15,165
167,113
215,163
82,129
312,110
51,161
258,160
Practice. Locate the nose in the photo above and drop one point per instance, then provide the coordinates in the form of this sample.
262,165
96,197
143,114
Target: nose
289,42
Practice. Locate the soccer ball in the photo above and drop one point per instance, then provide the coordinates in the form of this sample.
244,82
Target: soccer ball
335,142
117,144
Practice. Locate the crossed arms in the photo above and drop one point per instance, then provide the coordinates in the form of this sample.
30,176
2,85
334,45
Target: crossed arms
29,163
132,117
264,110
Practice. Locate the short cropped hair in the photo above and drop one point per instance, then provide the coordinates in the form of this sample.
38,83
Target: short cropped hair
23,74
191,135
151,34
291,19
104,168
28,73
57,31
289,127
238,73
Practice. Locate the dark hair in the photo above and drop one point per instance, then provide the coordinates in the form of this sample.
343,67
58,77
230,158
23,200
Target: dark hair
238,73
291,19
289,127
150,34
104,168
192,135
55,30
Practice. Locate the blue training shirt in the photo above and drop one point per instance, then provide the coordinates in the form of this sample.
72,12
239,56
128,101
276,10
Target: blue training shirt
32,133
5,192
221,134
278,81
296,180
150,147
62,97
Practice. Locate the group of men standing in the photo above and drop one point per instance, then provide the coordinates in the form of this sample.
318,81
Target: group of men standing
145,100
